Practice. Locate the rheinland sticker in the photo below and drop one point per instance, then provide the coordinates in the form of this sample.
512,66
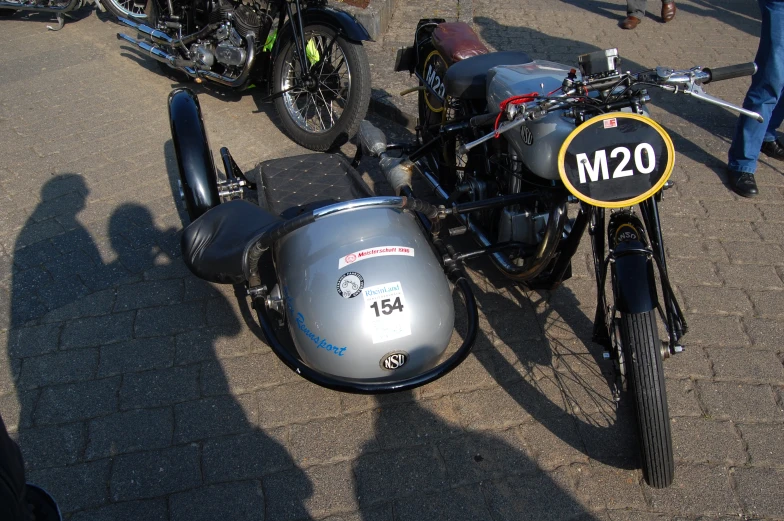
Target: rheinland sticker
387,316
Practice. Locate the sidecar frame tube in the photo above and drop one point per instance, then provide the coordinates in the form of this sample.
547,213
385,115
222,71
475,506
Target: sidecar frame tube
358,387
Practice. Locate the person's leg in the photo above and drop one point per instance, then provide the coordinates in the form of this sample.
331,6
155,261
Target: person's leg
765,91
776,119
636,8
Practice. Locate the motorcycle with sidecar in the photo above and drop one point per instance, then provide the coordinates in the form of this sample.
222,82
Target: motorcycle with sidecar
354,292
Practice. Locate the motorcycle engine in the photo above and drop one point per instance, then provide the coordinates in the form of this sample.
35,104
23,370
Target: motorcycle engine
228,46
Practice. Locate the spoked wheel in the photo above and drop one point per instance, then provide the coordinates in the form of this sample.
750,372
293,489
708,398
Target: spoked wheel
126,9
324,100
645,373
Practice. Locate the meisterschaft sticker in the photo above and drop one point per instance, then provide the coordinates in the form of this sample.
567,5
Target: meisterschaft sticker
380,251
386,312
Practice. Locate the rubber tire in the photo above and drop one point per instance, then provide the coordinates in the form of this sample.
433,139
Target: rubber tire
118,11
358,101
641,345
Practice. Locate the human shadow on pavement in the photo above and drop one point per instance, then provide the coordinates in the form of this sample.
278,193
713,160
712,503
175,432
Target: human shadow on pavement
422,466
125,409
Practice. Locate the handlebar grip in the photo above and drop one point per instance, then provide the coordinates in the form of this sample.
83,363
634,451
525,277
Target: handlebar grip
484,119
731,71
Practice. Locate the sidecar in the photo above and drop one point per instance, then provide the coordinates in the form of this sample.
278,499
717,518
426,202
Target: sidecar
349,291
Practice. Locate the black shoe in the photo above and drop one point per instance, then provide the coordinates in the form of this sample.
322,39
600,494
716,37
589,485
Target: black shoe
774,149
743,184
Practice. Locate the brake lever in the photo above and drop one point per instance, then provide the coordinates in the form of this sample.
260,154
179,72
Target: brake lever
503,127
698,92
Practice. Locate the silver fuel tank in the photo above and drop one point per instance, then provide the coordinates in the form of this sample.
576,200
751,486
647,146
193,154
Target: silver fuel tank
537,143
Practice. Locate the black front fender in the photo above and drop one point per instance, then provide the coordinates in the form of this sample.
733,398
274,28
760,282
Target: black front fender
634,284
340,21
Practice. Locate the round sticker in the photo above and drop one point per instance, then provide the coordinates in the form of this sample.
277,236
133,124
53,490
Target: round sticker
350,284
616,160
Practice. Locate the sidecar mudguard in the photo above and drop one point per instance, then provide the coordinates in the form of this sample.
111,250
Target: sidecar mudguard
634,284
195,165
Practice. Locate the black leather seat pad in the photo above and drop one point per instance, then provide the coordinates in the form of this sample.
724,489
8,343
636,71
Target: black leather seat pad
214,244
466,79
297,184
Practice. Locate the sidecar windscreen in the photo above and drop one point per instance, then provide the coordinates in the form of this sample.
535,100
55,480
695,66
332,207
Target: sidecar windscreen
213,246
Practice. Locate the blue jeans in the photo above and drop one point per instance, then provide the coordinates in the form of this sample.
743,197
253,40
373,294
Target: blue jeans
637,7
766,94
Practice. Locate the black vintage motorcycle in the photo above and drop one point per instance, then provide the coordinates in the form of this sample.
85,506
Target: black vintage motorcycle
509,143
59,8
308,56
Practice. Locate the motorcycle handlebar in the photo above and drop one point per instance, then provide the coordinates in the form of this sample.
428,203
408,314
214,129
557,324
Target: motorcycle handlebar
730,71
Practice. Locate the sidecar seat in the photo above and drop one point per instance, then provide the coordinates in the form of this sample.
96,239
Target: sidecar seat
213,246
467,78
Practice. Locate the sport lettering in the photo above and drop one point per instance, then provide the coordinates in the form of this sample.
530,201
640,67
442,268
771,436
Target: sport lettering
592,171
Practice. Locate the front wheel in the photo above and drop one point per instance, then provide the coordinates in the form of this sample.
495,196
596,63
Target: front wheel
322,101
643,360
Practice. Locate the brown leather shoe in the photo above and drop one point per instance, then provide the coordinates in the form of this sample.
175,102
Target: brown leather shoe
668,11
630,23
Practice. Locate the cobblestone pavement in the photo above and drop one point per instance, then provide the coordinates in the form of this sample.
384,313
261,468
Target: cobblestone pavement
139,392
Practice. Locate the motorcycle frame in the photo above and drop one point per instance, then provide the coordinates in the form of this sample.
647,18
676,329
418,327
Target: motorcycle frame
60,12
588,217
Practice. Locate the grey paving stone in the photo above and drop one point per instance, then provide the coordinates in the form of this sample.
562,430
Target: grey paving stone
697,489
768,303
398,473
758,278
749,365
541,496
44,447
592,482
740,402
300,402
17,409
148,294
215,416
76,487
32,341
144,475
159,387
136,355
70,264
206,344
761,253
74,365
243,374
475,457
246,456
95,304
608,439
240,500
416,423
764,443
168,320
765,334
151,510
760,491
95,331
552,444
36,255
77,401
708,300
335,439
699,440
459,504
130,431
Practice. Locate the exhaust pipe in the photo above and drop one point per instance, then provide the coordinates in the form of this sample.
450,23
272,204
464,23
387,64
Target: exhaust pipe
155,52
154,35
187,66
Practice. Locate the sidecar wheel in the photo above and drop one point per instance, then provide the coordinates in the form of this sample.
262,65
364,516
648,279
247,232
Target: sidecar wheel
324,110
644,368
125,9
